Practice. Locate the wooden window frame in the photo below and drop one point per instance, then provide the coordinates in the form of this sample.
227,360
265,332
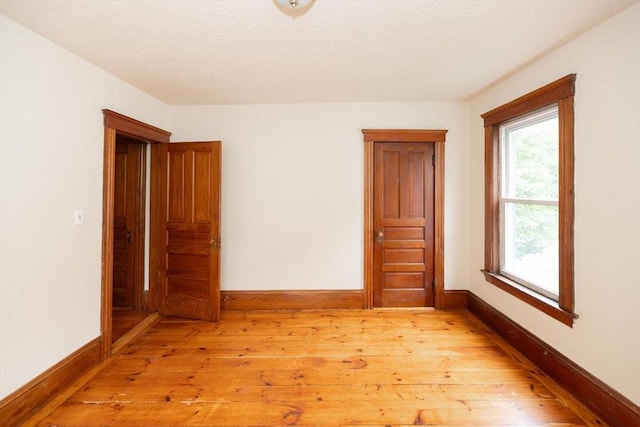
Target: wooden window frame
560,92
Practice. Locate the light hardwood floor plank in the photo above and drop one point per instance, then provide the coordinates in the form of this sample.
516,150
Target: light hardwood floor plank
320,368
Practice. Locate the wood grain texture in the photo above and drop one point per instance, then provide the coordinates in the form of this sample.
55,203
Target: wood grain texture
108,229
559,92
404,135
442,300
368,238
548,94
319,367
116,124
128,235
453,299
291,300
134,128
27,400
567,204
138,329
403,255
124,320
371,136
190,210
606,402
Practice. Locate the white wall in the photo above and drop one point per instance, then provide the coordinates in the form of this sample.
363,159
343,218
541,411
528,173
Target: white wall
605,340
51,141
292,202
292,195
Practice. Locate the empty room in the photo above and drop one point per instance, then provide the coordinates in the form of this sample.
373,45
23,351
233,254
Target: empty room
319,212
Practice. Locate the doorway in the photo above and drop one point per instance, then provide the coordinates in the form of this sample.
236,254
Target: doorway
129,231
403,230
183,233
135,139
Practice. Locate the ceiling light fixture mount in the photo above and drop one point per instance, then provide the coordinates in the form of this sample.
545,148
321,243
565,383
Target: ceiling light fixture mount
294,4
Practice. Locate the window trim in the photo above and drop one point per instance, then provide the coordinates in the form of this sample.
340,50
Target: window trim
561,92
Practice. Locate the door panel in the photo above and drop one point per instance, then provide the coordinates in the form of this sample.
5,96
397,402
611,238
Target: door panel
202,189
403,256
404,225
191,227
404,280
405,233
127,177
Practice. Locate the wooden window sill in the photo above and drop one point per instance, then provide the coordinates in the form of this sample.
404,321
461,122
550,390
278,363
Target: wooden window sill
542,303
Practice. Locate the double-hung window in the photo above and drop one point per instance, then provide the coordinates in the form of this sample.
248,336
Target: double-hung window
529,201
529,198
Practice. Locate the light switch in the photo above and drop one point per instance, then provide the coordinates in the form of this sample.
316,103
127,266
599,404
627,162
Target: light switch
78,216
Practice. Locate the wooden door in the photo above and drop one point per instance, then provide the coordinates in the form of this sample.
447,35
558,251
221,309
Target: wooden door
190,201
125,223
403,256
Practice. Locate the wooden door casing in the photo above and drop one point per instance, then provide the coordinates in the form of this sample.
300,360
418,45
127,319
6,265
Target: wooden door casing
403,259
191,226
117,125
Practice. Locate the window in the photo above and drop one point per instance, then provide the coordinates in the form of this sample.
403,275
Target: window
529,198
528,157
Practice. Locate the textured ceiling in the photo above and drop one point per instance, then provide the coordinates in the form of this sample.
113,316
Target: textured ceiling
251,51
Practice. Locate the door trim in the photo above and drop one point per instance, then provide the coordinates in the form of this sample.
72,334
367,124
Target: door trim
118,124
437,137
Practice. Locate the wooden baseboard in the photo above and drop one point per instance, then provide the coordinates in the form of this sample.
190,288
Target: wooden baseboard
614,408
291,300
27,400
315,299
454,299
135,332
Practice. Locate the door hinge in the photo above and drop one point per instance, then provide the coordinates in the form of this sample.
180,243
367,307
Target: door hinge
216,243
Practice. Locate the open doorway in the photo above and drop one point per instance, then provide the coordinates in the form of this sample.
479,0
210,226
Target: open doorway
183,244
129,305
127,141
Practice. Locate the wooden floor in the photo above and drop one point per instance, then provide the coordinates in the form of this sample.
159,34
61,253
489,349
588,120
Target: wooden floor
318,368
123,320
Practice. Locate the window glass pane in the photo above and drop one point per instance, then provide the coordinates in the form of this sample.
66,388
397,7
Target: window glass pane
530,149
530,244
